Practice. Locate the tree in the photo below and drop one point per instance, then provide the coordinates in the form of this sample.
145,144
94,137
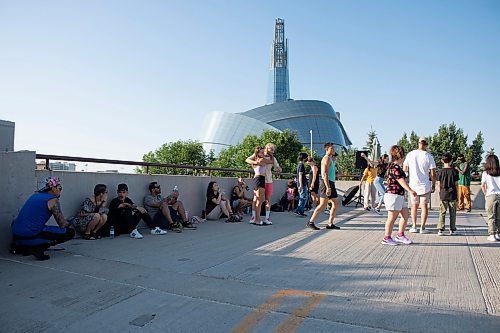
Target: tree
346,163
180,152
449,139
287,149
408,144
475,152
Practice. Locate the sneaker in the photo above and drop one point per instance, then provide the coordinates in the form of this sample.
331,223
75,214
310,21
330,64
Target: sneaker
497,236
189,226
331,226
468,210
377,210
453,233
158,231
267,221
312,226
252,220
260,223
424,231
300,214
414,230
441,232
176,228
136,234
491,238
403,240
389,241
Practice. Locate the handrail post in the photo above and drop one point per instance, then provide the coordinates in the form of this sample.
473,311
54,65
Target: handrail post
47,164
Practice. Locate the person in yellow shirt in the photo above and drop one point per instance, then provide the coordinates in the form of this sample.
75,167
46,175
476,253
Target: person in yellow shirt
370,191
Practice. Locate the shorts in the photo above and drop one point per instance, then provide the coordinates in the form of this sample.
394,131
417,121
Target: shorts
422,199
314,189
393,201
322,190
259,182
269,189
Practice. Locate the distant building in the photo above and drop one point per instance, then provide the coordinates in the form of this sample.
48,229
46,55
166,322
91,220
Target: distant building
223,129
7,129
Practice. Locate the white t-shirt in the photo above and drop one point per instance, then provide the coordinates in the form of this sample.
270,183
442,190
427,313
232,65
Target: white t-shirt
419,164
269,167
492,183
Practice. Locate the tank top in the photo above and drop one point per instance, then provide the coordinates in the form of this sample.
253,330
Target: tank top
33,215
331,170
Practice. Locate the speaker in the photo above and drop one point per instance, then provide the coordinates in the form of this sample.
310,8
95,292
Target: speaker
361,162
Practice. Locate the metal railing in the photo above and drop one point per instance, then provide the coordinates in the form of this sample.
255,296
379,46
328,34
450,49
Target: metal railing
147,165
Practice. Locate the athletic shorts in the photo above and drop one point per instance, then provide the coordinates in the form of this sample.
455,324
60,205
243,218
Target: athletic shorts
269,189
322,190
259,182
393,201
421,199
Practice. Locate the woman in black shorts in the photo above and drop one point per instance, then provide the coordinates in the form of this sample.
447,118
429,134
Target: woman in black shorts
258,163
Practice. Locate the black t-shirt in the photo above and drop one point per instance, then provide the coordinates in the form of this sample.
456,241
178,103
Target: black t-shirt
301,168
113,205
447,178
210,205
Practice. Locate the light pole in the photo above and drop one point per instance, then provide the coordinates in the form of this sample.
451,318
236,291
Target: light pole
311,132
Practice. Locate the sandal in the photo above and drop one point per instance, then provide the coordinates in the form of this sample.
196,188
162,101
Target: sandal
95,235
88,237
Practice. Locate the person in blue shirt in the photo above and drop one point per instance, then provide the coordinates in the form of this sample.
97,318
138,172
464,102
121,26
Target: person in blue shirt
30,233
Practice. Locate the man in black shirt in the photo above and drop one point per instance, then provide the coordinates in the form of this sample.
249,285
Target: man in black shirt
447,187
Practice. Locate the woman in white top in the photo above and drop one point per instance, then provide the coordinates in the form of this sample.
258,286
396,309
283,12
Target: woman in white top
490,184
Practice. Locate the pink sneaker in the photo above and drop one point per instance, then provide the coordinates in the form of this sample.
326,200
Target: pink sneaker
389,241
403,240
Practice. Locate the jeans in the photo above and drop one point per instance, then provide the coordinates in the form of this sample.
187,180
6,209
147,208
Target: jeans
379,185
302,200
452,207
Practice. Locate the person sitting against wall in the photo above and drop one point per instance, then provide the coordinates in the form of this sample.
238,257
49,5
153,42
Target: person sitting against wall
125,215
30,233
167,213
217,204
239,202
93,214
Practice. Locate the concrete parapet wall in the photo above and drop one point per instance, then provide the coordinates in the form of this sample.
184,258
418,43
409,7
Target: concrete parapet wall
18,180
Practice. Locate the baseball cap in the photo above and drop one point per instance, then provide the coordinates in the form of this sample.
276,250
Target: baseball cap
422,140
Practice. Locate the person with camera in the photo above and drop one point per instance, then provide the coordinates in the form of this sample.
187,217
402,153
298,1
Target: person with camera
239,201
125,215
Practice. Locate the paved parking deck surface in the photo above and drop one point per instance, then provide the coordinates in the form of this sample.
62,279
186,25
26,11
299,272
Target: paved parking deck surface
236,277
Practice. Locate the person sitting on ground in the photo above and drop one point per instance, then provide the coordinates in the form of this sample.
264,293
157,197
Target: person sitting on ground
125,215
239,202
30,233
93,214
167,213
217,204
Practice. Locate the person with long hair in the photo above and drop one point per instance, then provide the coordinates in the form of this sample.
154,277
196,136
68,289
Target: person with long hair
258,163
381,165
217,204
490,184
394,198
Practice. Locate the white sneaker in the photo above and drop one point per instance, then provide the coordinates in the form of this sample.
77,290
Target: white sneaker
252,220
440,232
497,236
491,238
403,240
158,231
413,230
136,234
424,231
267,221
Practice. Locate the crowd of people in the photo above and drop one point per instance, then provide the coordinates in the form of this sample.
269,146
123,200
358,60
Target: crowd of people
96,218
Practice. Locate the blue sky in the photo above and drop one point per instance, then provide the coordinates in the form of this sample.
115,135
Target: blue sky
116,79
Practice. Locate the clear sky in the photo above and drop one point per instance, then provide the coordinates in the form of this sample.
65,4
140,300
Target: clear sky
116,79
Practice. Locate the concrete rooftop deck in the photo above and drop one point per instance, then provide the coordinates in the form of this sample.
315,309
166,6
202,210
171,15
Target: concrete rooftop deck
242,278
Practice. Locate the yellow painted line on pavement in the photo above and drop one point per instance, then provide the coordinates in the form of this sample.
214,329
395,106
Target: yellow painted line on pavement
292,322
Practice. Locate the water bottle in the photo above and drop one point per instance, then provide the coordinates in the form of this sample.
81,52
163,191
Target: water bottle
187,215
112,232
176,188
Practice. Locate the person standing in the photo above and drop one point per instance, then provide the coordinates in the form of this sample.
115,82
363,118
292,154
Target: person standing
302,185
463,183
490,184
381,165
269,151
447,187
370,191
258,163
314,181
327,190
394,198
421,165
30,233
